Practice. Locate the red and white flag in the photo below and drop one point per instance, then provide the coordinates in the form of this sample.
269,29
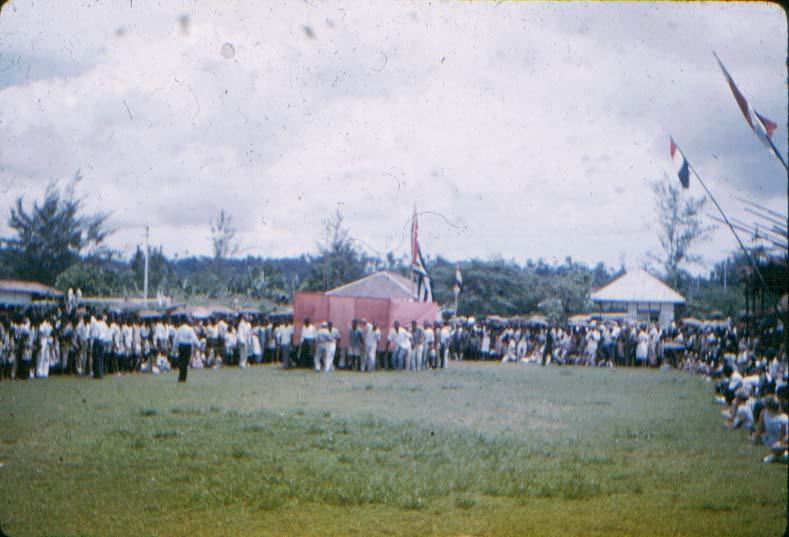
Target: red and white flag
763,127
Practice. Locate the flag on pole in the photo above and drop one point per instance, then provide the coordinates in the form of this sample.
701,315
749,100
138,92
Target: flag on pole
424,291
681,164
763,127
458,279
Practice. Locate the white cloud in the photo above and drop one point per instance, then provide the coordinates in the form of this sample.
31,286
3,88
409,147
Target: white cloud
533,127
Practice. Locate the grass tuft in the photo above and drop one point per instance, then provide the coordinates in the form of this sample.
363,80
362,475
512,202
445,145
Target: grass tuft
165,435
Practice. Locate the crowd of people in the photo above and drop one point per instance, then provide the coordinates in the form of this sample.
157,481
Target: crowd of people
748,366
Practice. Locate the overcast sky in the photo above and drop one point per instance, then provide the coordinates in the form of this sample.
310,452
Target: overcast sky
532,129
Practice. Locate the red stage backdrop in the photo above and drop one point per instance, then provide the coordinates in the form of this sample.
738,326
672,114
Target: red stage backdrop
341,310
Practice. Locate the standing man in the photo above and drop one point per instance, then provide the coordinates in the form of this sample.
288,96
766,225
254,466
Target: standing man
306,344
371,338
392,347
82,345
271,342
102,341
419,346
547,351
355,343
429,347
244,334
284,339
323,337
331,349
185,340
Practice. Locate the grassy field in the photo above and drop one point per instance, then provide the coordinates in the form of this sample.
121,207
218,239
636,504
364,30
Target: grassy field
480,449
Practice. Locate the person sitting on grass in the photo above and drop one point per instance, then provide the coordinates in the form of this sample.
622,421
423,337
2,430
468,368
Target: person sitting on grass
772,429
741,413
730,382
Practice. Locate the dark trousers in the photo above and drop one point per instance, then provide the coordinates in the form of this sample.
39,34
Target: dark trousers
98,359
306,352
284,352
184,355
546,352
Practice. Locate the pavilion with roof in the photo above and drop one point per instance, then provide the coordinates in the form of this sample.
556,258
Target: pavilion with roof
641,296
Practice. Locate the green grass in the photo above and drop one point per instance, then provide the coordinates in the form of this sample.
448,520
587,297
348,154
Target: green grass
481,449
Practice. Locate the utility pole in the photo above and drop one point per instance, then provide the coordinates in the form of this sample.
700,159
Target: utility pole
145,277
725,267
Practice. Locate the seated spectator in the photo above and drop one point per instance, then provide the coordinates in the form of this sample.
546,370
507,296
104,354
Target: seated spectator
772,429
741,414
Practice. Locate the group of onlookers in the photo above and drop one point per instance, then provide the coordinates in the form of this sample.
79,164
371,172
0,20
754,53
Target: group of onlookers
35,344
415,348
756,395
748,365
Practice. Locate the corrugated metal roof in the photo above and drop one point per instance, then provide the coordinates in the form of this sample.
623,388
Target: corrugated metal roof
637,286
381,284
21,286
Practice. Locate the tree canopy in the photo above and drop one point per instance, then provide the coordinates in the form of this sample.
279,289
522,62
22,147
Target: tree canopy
51,235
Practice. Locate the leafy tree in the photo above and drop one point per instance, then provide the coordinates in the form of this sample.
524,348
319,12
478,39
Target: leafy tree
51,236
680,227
340,261
94,279
160,269
223,235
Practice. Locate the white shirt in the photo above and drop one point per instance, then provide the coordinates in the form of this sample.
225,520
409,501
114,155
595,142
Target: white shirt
445,333
82,331
103,333
285,335
244,332
404,339
323,336
185,335
430,336
372,337
307,332
159,332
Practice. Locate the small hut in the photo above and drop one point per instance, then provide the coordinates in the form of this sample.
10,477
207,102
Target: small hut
641,297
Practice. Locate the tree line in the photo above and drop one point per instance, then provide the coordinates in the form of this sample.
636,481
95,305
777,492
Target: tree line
55,241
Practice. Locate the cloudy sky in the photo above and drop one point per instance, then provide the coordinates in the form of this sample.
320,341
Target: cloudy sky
523,130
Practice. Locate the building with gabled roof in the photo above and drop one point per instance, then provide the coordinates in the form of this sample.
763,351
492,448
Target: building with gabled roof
21,292
381,284
382,297
641,295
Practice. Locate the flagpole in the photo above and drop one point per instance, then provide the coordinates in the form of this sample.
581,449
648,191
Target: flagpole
777,154
736,236
413,223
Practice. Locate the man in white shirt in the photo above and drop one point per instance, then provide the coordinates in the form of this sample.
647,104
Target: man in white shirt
244,333
82,346
323,338
185,340
102,341
430,346
284,340
402,340
306,344
331,349
445,337
371,338
42,359
391,346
